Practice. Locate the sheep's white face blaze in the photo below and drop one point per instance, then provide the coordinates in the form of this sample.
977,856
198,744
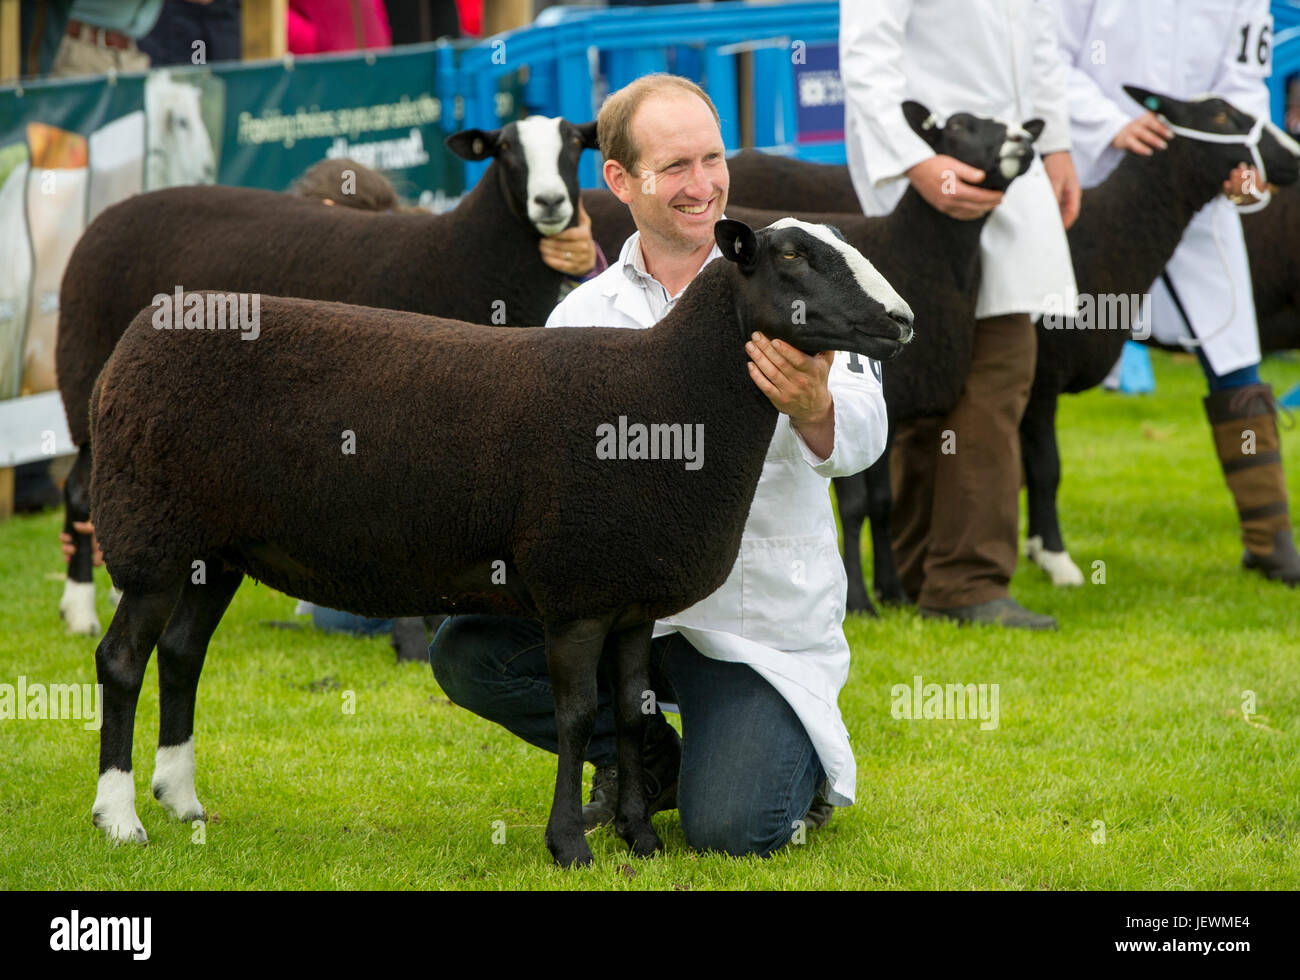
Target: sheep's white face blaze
1015,148
868,277
546,194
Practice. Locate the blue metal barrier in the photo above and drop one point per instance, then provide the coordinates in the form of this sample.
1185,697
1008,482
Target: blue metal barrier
574,55
579,53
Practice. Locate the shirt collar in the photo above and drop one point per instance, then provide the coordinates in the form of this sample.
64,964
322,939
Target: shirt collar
632,263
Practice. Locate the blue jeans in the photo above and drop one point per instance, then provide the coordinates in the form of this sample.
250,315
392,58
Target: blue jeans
338,621
748,772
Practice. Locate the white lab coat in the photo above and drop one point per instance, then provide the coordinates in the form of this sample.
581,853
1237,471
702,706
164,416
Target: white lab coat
995,58
1182,48
781,610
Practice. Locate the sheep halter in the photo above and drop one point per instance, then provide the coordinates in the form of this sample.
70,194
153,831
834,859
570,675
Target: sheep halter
1251,140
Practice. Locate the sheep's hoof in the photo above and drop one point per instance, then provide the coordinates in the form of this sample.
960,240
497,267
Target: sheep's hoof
862,606
114,809
181,805
575,854
77,607
1058,565
643,841
120,828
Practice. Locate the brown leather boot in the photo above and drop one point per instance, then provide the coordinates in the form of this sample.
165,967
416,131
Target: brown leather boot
1245,419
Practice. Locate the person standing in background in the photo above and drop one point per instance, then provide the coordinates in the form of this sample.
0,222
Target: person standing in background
337,25
183,23
1183,48
957,497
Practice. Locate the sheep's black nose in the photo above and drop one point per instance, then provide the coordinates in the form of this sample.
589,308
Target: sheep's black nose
549,201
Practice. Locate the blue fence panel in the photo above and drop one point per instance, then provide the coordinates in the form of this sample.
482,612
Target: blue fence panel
576,54
700,42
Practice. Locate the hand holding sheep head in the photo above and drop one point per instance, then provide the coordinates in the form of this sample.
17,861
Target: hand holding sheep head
536,161
975,159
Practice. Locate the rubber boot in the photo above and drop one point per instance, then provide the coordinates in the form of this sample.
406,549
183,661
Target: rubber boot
1244,423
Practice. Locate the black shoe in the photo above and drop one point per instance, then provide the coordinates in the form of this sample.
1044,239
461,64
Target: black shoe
663,761
997,612
819,814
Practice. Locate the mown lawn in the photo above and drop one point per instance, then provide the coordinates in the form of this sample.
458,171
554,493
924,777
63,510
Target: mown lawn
1122,759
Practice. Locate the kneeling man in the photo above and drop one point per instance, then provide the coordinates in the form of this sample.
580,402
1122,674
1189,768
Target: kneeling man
756,668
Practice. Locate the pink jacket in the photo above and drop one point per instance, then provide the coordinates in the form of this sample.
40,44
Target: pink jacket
329,25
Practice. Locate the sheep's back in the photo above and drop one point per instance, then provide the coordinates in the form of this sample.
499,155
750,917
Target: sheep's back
472,445
242,240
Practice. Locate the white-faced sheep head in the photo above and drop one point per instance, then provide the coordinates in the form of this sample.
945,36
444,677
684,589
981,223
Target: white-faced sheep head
1003,150
1212,123
537,164
802,283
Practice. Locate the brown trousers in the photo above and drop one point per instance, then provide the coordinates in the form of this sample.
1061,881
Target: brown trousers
956,479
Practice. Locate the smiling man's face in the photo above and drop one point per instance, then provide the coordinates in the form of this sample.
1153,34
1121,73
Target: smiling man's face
678,188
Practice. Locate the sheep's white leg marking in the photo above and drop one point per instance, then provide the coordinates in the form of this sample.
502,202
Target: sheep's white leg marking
1058,565
114,810
77,607
173,781
872,282
539,136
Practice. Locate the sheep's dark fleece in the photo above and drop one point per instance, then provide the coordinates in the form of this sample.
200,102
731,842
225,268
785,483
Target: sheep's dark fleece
934,260
231,452
1273,243
766,180
478,263
1128,229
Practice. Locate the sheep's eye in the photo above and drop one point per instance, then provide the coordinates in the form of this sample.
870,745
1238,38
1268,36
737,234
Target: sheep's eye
1221,119
789,254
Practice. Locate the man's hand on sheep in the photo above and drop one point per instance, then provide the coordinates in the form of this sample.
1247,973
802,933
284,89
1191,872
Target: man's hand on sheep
1242,185
949,187
1143,135
83,527
1065,185
571,251
796,384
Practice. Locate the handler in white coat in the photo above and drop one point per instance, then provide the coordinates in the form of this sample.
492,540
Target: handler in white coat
1185,48
756,668
955,521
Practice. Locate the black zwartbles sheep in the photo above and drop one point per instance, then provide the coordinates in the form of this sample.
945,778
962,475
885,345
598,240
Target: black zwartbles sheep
935,260
1128,228
478,263
501,427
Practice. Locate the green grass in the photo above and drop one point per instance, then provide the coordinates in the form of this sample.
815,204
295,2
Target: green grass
1130,715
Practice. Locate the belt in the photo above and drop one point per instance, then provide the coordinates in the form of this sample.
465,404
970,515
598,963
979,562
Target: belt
103,38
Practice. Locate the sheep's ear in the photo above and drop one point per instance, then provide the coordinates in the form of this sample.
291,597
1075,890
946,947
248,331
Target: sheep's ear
1148,99
738,243
474,144
923,122
587,131
1034,127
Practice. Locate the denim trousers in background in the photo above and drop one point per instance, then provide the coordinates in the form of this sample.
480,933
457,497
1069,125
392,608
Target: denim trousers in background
749,771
